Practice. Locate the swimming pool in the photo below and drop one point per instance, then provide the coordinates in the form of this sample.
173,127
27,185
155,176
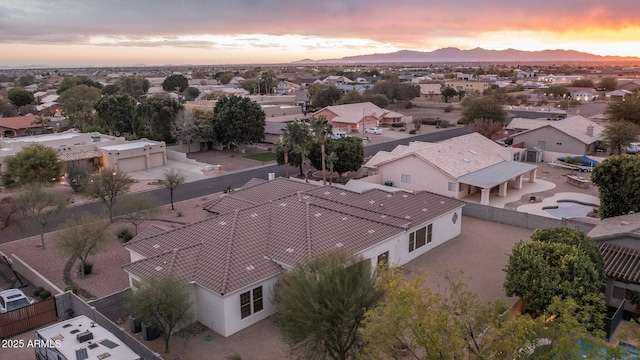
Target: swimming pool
568,209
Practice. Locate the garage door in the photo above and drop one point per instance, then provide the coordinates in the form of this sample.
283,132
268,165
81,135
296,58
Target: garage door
132,164
157,159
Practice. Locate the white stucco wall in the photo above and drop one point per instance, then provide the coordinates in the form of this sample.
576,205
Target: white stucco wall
231,302
210,309
423,176
555,140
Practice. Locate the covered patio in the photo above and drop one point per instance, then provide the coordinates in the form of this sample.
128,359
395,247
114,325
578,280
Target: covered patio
499,175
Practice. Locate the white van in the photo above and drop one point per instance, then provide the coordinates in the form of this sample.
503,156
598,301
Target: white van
340,134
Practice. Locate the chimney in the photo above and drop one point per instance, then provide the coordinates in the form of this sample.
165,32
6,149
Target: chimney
590,130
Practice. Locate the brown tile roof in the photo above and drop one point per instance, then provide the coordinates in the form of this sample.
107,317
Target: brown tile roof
246,245
621,263
18,122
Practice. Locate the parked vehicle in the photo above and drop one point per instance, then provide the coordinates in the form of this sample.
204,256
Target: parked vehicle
373,130
633,148
13,299
340,134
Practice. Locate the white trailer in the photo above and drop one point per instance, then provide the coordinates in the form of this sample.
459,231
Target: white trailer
79,338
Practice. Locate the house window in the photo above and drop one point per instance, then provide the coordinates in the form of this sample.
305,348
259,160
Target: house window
251,302
420,237
460,187
452,186
405,178
516,156
542,144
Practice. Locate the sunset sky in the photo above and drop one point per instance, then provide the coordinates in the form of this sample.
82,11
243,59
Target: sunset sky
157,32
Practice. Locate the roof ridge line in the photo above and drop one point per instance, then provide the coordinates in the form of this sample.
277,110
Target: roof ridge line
227,261
308,228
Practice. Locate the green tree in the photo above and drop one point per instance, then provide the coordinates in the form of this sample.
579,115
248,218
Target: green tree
204,123
156,116
320,129
485,113
190,93
588,83
396,91
448,92
77,103
296,137
137,208
81,237
557,91
619,134
175,82
116,114
107,186
42,121
351,97
26,80
69,82
283,149
349,154
164,301
41,203
134,86
380,100
608,83
238,120
321,303
35,163
538,271
20,97
430,325
172,179
628,110
7,109
324,95
616,179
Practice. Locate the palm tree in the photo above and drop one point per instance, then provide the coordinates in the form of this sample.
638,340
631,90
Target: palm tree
320,128
331,161
285,146
42,121
303,150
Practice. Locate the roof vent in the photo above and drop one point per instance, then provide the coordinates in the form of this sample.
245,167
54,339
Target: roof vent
473,152
84,336
339,244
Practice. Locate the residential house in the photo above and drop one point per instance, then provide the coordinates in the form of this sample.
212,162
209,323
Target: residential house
468,87
618,239
632,85
287,87
616,95
457,167
19,126
337,80
430,90
583,94
233,259
95,148
573,136
359,116
559,79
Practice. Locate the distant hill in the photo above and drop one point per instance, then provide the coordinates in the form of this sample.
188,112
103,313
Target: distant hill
452,54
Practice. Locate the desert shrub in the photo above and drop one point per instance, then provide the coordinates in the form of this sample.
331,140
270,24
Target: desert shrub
412,131
445,124
448,108
37,290
397,125
402,129
72,288
44,294
429,121
179,213
125,235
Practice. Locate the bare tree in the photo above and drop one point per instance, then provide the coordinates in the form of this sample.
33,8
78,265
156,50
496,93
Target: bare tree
172,179
137,208
185,128
107,186
81,237
41,203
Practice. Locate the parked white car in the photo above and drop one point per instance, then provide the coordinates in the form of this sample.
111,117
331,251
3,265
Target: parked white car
13,299
633,148
340,135
373,130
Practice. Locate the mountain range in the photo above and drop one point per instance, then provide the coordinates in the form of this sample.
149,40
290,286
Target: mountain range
455,55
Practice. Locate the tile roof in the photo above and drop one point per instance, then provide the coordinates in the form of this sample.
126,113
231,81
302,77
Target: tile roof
456,156
353,113
621,263
245,245
526,124
18,122
617,226
576,127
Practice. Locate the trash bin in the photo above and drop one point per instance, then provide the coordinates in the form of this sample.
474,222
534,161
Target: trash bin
134,323
149,332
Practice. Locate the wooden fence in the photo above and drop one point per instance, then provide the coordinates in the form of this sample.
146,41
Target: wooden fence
27,318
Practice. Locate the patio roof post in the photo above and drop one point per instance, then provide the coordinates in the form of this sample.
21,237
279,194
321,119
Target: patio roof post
484,196
502,189
532,175
518,184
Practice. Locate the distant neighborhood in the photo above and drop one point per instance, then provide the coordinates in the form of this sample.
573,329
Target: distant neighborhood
377,165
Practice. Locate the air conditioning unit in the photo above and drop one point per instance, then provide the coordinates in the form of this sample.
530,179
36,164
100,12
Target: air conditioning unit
84,336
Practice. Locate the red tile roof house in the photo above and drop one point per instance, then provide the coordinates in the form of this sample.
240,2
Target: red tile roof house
233,259
359,116
19,126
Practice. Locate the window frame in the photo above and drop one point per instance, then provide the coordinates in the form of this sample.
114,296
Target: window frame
251,302
420,237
